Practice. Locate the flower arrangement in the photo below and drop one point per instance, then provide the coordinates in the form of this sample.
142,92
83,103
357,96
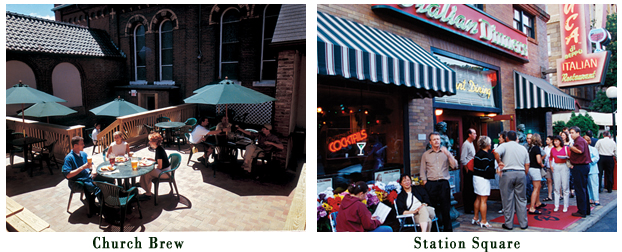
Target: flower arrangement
329,202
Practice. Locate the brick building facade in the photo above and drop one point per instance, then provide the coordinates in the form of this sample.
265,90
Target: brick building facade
171,50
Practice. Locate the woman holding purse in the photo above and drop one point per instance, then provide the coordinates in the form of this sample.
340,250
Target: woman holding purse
483,172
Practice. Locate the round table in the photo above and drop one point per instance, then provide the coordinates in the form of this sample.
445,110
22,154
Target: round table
169,126
125,172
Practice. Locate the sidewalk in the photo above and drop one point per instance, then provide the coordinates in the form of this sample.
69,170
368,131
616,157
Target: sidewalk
608,201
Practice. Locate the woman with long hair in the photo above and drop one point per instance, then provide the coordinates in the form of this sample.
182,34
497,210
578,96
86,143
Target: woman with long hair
415,200
483,171
561,172
535,164
353,214
547,165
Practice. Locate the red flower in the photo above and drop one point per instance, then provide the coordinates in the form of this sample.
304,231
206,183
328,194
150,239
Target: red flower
392,196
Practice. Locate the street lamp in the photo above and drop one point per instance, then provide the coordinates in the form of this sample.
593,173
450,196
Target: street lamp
612,93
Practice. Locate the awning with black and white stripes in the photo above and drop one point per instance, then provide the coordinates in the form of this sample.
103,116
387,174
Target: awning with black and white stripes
531,92
353,50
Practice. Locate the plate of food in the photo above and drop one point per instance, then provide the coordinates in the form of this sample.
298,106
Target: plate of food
107,168
120,159
145,162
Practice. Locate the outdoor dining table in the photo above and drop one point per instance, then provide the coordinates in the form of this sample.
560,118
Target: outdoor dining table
236,143
26,143
123,172
169,126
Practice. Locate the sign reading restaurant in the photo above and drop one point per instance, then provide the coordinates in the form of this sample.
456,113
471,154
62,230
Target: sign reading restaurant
468,22
576,67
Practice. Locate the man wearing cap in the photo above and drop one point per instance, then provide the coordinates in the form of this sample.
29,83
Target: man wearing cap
266,141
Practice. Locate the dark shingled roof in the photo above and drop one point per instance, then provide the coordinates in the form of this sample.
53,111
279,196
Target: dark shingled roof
31,34
291,25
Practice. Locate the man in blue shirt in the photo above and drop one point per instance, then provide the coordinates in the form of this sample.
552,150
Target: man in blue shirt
77,168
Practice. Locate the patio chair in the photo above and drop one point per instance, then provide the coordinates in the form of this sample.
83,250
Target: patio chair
175,161
403,217
15,149
267,162
105,153
149,128
116,197
46,154
163,119
77,187
333,221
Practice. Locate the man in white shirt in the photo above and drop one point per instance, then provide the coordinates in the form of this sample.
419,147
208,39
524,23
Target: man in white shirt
606,150
466,155
197,138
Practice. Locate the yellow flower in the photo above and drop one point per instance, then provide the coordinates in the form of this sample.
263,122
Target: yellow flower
327,207
379,195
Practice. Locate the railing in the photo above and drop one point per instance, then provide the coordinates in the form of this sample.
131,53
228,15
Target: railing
132,125
50,132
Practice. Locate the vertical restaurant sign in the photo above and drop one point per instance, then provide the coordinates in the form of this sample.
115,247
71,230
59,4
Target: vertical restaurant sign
576,67
468,22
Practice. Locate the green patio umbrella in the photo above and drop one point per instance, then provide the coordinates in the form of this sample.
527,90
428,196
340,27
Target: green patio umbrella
47,109
118,107
21,93
226,92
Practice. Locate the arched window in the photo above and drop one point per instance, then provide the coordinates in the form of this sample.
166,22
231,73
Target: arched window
268,56
140,54
229,44
166,50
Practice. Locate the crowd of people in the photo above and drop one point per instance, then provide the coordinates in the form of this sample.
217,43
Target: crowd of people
77,168
571,164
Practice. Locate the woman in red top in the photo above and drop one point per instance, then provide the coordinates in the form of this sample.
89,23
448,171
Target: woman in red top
561,172
353,215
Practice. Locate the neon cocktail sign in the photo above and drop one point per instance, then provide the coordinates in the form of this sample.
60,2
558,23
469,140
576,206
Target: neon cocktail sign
355,138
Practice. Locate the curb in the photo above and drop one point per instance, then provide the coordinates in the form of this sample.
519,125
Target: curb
589,221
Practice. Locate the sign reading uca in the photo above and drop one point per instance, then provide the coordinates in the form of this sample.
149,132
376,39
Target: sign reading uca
577,67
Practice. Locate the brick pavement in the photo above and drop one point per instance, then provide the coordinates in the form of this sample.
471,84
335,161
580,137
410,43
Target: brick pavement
223,203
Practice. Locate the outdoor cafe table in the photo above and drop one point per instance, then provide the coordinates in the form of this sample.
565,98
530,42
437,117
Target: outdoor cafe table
239,144
124,172
26,143
169,126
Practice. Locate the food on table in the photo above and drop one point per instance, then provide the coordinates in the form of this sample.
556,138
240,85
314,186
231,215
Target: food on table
107,168
119,159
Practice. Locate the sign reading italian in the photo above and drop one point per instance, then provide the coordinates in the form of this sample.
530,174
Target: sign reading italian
576,67
468,22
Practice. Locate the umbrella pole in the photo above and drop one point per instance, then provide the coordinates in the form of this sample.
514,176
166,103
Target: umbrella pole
23,122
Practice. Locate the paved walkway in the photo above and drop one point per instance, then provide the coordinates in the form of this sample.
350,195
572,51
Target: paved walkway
207,203
608,202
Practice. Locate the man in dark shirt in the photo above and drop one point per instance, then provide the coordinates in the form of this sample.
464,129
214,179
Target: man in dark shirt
266,141
580,160
591,135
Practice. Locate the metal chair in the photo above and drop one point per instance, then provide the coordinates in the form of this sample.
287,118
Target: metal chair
175,161
46,154
333,221
115,196
403,217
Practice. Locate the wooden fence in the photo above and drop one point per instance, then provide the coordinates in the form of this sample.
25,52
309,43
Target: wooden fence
51,132
132,125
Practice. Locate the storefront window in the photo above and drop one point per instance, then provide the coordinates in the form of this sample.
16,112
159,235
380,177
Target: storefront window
476,85
360,131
